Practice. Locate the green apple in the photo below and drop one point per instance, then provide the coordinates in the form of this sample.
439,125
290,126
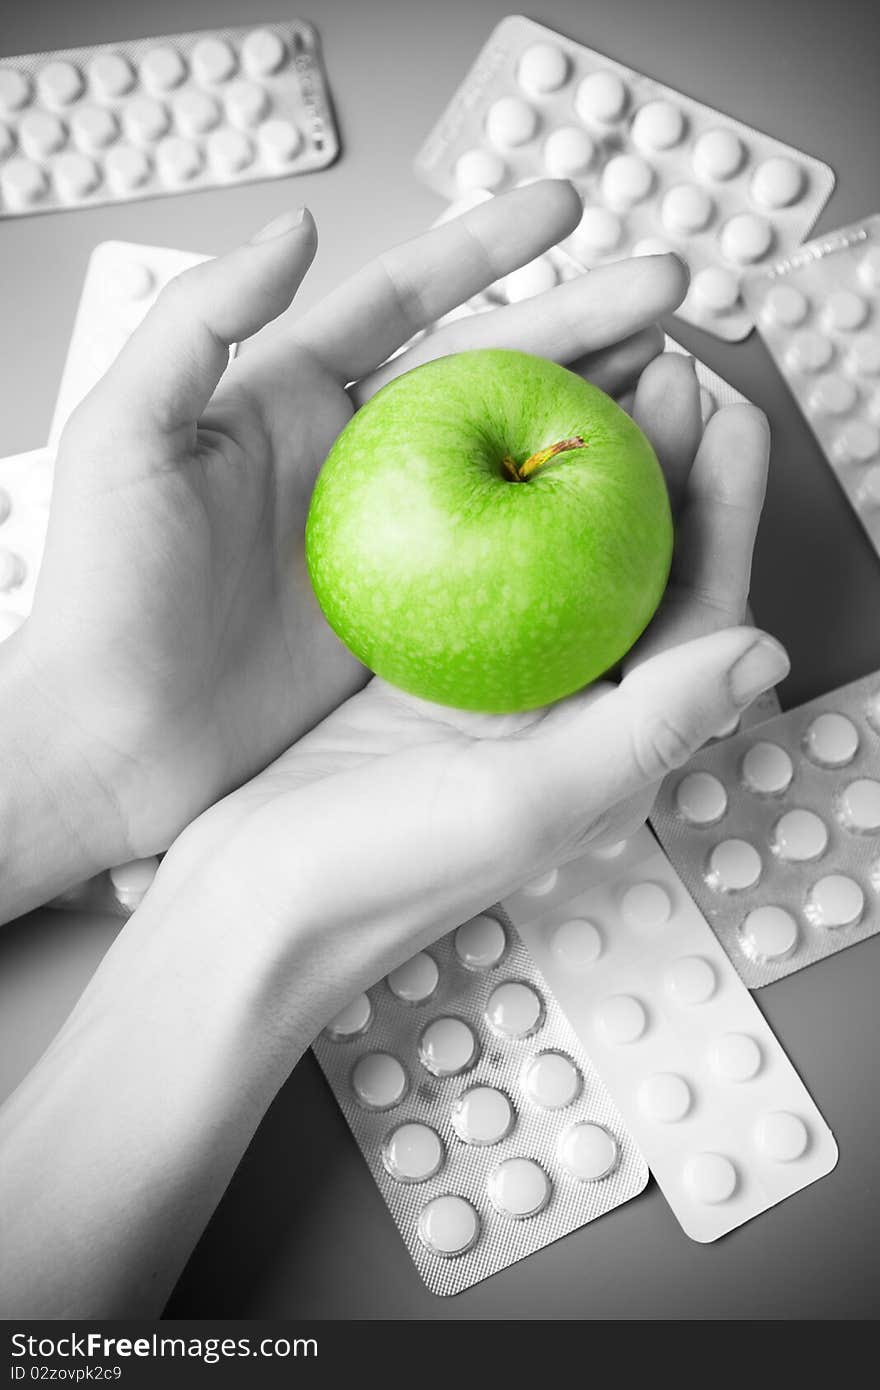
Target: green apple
490,531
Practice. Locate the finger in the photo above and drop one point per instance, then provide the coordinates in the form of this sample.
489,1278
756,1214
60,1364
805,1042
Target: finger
372,314
715,532
169,368
572,320
667,408
616,369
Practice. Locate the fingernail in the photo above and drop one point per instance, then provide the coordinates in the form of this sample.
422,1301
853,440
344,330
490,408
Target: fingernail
287,222
764,664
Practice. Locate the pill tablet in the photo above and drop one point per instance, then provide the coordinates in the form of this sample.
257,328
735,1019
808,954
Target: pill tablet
857,442
568,151
480,943
110,75
280,141
448,1225
351,1021
519,1188
12,571
448,1047
718,155
262,52
711,1178
246,103
510,121
588,1152
145,120
665,1097
701,798
831,740
536,277
415,980
59,83
658,126
15,89
691,980
768,934
551,1080
734,865
598,232
869,487
542,68
514,1010
845,311
379,1081
785,305
162,69
130,881
869,268
834,901
74,175
41,133
858,806
800,835
601,97
746,238
809,351
413,1153
782,1136
626,180
621,1019
686,209
482,1115
715,289
777,182
863,356
646,905
576,943
480,169
229,151
735,1057
832,395
195,112
178,160
213,60
93,127
126,168
23,183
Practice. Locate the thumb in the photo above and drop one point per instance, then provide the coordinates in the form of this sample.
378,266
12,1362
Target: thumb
167,372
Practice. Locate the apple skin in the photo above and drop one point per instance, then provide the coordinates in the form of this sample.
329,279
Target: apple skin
455,582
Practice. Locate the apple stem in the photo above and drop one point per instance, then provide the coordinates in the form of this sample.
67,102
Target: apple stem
522,472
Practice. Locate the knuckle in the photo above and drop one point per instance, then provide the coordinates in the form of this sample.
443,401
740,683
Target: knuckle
659,744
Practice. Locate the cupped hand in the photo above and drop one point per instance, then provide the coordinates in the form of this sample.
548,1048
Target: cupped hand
174,636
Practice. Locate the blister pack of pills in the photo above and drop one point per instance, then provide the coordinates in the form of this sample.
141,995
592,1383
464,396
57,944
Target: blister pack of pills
121,283
818,311
145,117
482,1119
115,893
724,1121
776,833
25,494
656,169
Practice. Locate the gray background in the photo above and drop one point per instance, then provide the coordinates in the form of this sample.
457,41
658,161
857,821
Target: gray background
302,1231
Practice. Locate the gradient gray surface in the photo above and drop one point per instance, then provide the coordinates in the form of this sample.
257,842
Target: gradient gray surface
302,1231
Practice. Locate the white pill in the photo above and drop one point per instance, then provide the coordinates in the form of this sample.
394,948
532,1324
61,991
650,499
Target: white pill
651,246
784,305
246,104
542,68
857,442
646,906
130,881
598,232
59,83
448,1047
601,97
415,980
833,395
448,1225
510,121
280,141
626,180
777,182
229,151
718,155
6,140
541,886
710,1178
178,160
858,806
746,238
551,1080
145,120
413,1153
735,1057
863,356
665,1097
12,570
480,943
126,168
195,112
514,1010
351,1021
162,69
379,1081
41,133
213,60
834,901
15,89
588,1152
93,127
799,836
518,1188
845,310
9,623
715,289
831,740
482,1115
621,1019
809,351
110,75
869,268
576,943
869,488
74,175
536,277
658,126
686,209
700,798
782,1136
263,52
734,865
691,980
568,151
768,933
480,169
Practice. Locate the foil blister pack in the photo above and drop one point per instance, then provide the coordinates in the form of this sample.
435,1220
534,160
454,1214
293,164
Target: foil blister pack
478,1112
84,126
656,169
25,495
818,311
776,833
726,1125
